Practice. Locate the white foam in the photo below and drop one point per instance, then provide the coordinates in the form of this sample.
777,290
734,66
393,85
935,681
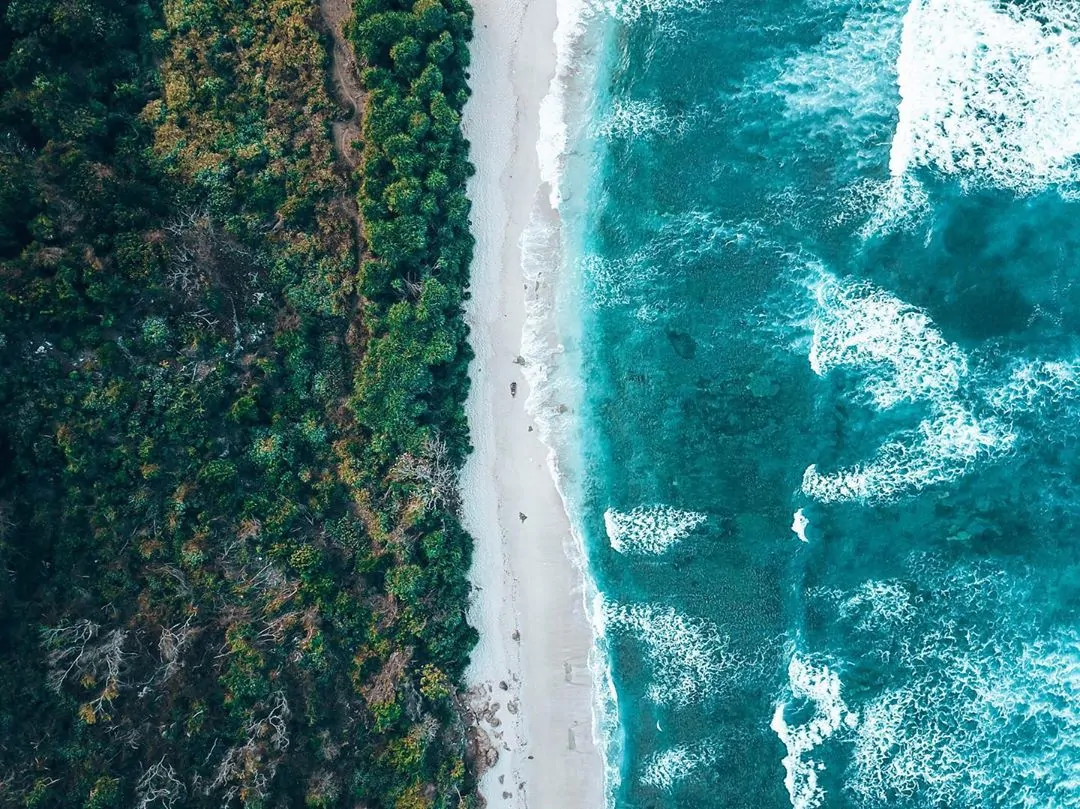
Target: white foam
617,282
897,204
989,93
607,727
941,450
554,129
799,524
1036,386
898,356
636,118
689,657
679,240
894,345
977,702
629,11
880,606
820,686
574,18
650,530
845,86
667,768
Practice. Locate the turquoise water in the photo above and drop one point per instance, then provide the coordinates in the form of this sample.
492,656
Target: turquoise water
826,255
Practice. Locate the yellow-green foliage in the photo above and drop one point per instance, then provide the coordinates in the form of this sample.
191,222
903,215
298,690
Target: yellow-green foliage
215,582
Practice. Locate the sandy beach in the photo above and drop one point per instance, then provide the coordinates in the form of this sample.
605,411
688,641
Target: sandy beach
530,680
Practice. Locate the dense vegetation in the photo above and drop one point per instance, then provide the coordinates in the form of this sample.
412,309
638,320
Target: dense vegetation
231,571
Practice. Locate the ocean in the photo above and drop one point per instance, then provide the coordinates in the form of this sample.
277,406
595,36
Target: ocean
818,343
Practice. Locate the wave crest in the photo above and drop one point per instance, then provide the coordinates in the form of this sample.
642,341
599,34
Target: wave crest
650,530
820,686
690,659
989,93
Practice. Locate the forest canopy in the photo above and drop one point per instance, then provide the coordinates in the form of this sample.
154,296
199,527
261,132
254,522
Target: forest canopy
232,375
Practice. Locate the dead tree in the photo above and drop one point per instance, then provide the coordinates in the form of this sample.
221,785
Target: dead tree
246,770
80,649
192,251
171,645
433,473
159,786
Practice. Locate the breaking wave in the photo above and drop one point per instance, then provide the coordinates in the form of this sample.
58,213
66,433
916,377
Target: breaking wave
899,357
940,450
799,523
894,345
690,659
650,530
819,686
990,93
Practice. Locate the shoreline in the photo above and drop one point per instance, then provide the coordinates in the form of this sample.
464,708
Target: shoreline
530,685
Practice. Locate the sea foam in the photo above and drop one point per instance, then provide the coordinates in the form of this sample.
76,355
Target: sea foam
649,530
845,86
630,11
990,93
637,118
574,20
665,769
689,657
898,357
680,240
880,606
819,685
978,698
942,449
895,346
1035,386
799,524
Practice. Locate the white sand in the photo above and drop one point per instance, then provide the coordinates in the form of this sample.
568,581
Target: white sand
529,674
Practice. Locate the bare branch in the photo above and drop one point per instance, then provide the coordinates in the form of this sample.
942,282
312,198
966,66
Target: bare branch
159,786
433,473
249,768
171,645
77,648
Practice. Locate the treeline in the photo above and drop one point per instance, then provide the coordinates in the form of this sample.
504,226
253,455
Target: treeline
231,569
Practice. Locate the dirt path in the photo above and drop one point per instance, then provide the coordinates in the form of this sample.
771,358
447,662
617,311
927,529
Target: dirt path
346,80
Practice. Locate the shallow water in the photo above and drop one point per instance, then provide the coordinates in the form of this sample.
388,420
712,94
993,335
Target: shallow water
823,255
